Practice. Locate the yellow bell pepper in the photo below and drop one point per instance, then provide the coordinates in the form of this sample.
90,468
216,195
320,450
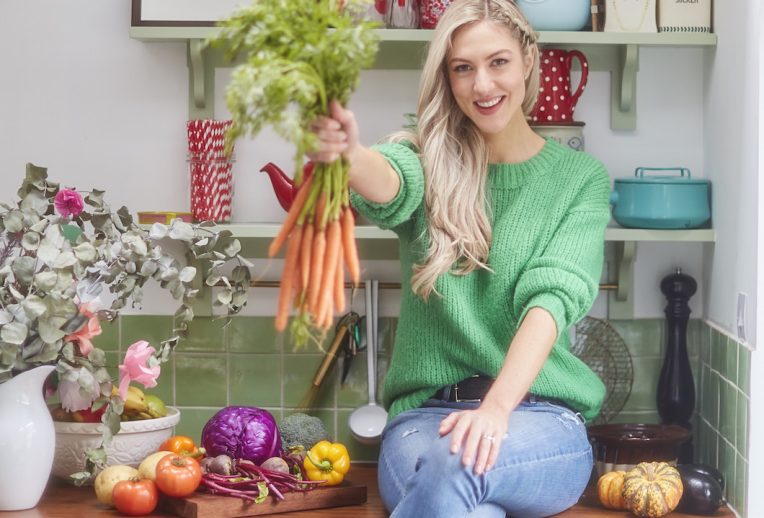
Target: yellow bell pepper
327,461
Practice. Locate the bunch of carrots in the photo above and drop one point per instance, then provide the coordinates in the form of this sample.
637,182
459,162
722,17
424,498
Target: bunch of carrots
296,55
319,236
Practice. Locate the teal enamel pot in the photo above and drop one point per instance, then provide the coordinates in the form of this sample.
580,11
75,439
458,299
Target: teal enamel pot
556,15
660,201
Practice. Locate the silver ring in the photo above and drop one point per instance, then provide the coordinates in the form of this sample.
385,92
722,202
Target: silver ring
489,438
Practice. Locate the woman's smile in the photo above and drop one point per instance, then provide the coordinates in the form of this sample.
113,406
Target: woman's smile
490,106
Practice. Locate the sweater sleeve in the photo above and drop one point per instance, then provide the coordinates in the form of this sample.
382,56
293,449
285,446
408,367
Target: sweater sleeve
405,161
564,279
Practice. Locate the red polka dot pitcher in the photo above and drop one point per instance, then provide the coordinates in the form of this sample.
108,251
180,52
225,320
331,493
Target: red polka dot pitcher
556,103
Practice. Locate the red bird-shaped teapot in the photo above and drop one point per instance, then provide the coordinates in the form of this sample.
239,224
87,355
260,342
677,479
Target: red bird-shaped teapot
284,186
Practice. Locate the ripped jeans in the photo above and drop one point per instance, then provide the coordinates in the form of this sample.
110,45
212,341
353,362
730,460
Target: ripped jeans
543,466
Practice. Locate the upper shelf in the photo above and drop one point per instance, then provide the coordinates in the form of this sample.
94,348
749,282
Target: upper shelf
405,48
617,53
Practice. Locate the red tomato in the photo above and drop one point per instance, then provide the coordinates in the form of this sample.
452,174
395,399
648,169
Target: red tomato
178,475
135,497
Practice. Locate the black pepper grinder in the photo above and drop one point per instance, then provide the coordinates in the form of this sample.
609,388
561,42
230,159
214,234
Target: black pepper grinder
676,389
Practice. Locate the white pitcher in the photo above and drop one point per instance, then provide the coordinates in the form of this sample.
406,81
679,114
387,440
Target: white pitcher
27,440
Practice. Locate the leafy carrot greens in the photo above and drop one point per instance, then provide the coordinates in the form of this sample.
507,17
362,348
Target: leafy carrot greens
299,55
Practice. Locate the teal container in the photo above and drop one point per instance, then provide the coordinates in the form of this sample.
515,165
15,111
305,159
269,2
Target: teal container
556,15
661,202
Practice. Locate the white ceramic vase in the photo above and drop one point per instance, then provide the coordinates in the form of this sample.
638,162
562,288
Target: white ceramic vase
27,440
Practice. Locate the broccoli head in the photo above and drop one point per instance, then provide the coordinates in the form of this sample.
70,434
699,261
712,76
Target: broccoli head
300,429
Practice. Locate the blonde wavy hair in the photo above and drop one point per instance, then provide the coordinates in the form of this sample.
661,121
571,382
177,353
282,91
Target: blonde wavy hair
454,153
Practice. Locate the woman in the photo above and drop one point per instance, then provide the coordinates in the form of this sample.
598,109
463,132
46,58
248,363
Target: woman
501,245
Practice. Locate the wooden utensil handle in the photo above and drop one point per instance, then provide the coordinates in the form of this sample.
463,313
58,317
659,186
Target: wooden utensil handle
331,354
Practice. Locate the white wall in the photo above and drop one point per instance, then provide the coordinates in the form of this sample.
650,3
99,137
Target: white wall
102,110
95,107
732,141
731,155
756,427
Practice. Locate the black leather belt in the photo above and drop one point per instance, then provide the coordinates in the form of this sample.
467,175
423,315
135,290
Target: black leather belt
472,389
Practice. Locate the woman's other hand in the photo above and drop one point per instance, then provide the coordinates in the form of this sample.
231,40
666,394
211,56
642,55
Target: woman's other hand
478,433
337,135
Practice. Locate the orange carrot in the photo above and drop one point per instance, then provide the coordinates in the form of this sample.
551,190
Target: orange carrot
320,209
305,251
291,218
348,245
333,242
339,285
316,269
326,311
288,277
298,289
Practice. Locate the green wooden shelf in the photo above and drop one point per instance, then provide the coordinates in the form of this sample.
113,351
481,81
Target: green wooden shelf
377,244
404,49
267,231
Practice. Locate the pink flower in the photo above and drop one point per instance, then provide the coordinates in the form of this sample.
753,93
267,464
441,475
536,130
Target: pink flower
74,396
89,330
68,202
138,367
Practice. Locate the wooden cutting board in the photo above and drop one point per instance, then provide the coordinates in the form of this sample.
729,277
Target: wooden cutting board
203,505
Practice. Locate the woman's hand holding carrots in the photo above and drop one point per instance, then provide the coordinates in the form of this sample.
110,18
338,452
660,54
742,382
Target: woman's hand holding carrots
319,233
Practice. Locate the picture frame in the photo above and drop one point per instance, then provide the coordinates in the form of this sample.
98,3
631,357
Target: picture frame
181,13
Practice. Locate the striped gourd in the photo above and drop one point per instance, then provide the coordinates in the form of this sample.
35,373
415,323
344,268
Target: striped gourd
652,489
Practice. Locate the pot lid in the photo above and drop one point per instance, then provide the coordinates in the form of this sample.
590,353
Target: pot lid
681,176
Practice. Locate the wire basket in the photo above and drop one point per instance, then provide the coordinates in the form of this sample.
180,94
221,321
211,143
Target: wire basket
210,169
600,346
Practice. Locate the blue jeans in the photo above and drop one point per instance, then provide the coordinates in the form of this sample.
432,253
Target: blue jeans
543,466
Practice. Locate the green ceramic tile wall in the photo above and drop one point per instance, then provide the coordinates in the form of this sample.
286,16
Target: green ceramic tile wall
721,368
248,363
645,340
723,411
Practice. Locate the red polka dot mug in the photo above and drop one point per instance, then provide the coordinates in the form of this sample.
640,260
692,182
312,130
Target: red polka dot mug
431,11
557,102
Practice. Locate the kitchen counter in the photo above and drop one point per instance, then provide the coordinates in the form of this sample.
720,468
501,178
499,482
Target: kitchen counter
62,500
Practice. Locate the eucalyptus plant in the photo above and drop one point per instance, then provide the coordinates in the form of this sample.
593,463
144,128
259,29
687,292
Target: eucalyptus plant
60,253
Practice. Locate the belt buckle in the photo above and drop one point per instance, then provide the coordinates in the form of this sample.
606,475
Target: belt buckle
456,396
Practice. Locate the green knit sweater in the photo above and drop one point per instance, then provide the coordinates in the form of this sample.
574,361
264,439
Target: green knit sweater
549,214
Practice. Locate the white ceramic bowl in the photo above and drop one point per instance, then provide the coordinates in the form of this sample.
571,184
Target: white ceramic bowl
135,441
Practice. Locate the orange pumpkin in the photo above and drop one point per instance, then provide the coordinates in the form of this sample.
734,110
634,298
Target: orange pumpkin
610,490
652,489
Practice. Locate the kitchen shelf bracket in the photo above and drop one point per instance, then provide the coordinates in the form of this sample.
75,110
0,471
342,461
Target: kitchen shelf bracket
623,93
201,82
621,301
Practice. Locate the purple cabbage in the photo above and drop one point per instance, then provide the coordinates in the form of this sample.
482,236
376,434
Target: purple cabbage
242,432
